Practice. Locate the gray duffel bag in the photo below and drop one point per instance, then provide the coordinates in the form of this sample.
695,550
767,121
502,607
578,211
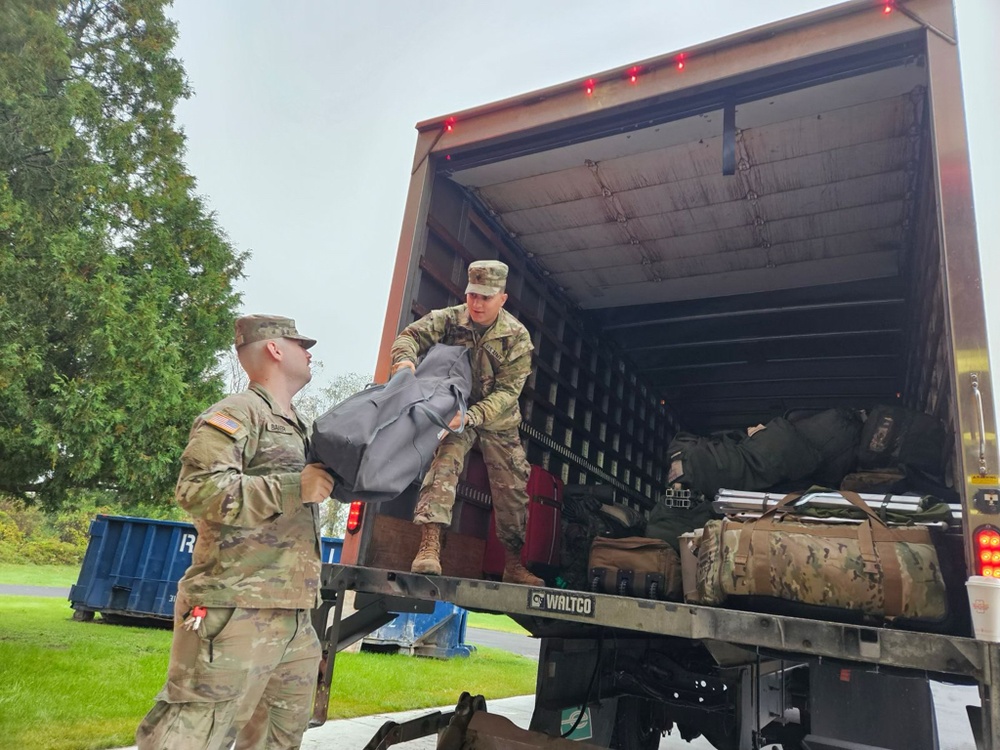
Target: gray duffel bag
377,442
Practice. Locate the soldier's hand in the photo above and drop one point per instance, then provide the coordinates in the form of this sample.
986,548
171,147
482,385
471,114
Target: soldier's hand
457,421
317,484
400,365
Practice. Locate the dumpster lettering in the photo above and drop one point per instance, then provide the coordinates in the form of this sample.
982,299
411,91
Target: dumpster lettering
187,543
570,604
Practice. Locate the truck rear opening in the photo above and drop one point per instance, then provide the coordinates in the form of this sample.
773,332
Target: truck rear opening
710,247
782,223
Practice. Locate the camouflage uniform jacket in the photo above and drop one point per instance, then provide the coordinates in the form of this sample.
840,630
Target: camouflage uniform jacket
501,360
258,545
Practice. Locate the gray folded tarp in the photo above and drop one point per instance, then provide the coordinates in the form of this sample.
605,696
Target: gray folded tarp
377,442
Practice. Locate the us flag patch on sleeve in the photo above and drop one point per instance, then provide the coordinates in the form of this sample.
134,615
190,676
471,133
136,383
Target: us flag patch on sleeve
224,422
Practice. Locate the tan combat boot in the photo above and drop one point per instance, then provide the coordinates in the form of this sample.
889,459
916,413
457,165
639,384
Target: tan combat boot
514,572
428,559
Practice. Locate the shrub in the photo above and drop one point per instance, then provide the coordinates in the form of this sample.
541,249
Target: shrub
10,532
73,526
52,552
10,553
28,518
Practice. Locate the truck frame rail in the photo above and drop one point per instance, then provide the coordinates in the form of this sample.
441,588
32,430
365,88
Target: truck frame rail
944,656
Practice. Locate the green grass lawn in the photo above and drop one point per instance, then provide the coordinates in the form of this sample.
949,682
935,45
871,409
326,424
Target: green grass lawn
39,575
73,686
66,575
494,622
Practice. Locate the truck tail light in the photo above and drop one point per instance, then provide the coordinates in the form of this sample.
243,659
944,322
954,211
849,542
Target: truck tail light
987,545
354,517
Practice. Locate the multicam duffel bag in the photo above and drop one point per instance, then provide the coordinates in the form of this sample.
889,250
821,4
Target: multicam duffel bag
868,567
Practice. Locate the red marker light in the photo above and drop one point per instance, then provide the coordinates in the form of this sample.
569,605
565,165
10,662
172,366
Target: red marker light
354,517
589,88
680,62
887,9
987,541
633,75
449,125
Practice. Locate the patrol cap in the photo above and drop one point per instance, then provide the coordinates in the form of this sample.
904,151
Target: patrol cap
487,277
251,328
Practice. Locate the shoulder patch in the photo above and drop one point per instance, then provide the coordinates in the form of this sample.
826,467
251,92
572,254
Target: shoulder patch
224,422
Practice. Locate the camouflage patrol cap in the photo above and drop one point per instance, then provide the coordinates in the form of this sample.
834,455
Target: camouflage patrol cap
251,328
487,277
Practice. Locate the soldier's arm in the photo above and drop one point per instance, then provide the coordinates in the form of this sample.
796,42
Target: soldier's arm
212,484
507,387
418,337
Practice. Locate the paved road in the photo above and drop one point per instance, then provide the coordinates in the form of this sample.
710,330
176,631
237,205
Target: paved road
516,644
55,591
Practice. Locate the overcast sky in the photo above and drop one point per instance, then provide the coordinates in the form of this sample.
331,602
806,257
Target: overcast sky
300,131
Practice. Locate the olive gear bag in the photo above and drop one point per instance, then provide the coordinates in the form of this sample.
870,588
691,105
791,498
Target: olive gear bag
377,442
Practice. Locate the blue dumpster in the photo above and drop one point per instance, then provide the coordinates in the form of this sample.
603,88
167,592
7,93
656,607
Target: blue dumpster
440,634
132,566
332,547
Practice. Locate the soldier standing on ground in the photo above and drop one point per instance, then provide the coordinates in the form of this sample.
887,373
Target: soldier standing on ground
245,657
501,362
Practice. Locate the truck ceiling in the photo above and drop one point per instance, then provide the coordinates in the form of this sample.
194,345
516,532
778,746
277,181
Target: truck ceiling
777,286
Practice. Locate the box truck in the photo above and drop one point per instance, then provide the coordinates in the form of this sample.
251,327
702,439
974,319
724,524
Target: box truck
777,220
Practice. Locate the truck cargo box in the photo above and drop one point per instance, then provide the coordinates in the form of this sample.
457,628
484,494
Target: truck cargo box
775,222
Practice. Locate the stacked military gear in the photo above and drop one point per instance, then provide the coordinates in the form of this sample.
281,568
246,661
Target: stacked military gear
635,566
863,566
894,450
588,513
669,523
821,446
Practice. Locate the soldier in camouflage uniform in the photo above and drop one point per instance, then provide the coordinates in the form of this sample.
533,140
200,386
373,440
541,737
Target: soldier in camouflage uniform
245,657
501,362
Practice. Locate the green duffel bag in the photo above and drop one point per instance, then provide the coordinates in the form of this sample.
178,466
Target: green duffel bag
868,567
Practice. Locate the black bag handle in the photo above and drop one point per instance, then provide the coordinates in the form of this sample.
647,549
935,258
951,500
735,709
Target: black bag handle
436,419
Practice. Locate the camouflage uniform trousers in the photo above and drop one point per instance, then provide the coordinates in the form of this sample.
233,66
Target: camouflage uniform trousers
508,470
246,675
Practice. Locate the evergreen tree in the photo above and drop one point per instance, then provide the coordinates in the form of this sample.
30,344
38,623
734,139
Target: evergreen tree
116,284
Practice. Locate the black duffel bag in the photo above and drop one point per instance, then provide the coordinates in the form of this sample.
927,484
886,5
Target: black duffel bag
377,442
776,453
